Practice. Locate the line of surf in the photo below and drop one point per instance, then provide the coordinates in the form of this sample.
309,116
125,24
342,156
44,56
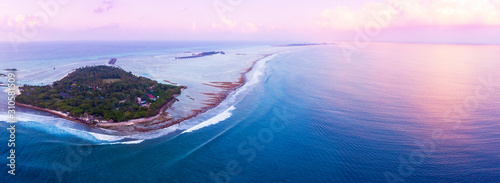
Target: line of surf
214,120
253,77
255,74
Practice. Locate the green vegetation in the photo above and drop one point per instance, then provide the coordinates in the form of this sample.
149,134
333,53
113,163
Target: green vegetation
101,93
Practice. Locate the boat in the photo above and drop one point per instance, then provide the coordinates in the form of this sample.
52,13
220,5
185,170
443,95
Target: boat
112,61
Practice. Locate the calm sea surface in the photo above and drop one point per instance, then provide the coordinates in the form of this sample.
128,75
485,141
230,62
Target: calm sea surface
393,112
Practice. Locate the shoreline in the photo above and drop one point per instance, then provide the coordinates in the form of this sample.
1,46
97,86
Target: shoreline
57,113
218,97
162,119
105,124
142,120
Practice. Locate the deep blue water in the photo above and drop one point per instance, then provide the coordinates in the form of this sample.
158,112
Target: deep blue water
313,117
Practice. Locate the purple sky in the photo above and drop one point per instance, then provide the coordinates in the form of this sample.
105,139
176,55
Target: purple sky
446,21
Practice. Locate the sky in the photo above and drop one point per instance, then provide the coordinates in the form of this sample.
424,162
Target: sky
429,21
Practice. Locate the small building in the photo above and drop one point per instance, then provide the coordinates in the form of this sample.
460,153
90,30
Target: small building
151,97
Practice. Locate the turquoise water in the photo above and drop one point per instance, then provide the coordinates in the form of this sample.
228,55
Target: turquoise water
385,116
34,55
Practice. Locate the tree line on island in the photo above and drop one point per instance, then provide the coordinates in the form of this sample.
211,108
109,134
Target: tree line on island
101,93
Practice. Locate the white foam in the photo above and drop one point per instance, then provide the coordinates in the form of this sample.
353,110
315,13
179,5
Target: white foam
214,120
26,117
254,77
50,125
102,137
105,137
127,142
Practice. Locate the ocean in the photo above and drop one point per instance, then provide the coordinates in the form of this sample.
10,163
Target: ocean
391,112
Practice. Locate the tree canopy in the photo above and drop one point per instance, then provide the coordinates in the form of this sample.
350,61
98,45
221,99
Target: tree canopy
101,93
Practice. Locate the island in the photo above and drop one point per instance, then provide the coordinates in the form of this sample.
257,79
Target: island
202,54
305,44
101,94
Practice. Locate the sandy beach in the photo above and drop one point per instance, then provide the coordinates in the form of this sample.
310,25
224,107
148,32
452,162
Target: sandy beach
165,120
208,80
58,113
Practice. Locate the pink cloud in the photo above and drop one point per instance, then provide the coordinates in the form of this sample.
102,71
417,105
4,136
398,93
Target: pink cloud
411,13
321,20
105,6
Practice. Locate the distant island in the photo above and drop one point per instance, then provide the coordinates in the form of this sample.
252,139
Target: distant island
101,94
202,54
305,44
